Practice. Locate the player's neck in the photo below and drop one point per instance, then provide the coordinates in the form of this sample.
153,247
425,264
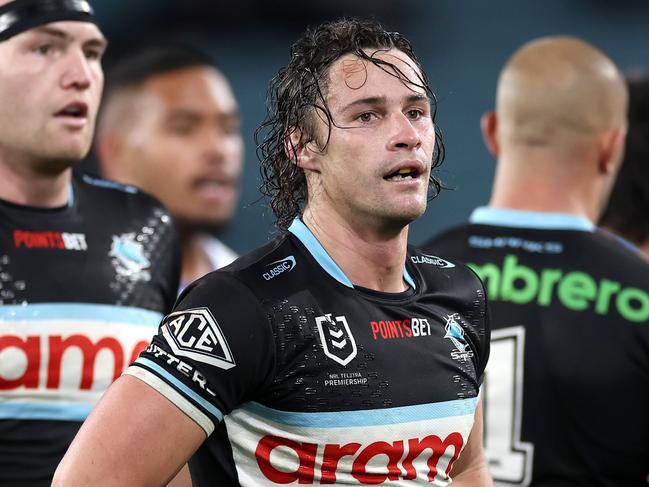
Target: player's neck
528,186
23,185
195,262
369,258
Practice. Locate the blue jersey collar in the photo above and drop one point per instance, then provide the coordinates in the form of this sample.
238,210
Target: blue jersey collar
506,217
315,248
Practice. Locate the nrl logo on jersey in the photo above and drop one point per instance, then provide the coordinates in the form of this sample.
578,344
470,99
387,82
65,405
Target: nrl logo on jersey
287,264
128,258
194,333
455,333
431,260
336,338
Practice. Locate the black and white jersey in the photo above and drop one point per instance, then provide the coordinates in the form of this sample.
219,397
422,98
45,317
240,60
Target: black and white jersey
82,291
299,377
566,393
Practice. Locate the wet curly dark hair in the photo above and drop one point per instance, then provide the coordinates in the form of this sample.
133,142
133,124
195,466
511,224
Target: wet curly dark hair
298,92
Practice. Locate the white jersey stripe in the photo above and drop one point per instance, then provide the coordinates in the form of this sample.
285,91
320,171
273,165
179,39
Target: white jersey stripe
170,392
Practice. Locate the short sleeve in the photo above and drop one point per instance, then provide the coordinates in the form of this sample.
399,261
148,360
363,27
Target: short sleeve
212,352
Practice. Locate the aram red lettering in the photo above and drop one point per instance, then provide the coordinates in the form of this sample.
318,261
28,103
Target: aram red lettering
30,346
395,469
305,452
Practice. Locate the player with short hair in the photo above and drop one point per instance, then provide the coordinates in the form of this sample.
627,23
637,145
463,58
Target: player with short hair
627,213
566,392
87,267
334,354
169,124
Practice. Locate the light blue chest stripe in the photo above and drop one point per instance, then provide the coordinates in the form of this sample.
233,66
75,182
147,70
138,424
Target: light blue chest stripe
530,219
315,248
70,196
372,417
80,311
170,379
57,411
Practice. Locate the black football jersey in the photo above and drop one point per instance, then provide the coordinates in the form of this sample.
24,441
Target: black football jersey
82,291
299,377
566,393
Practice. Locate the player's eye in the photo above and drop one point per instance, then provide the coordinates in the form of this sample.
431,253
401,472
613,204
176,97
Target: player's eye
414,114
365,117
44,49
93,54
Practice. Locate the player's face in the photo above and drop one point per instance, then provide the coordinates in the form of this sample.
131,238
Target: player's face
50,86
187,148
376,166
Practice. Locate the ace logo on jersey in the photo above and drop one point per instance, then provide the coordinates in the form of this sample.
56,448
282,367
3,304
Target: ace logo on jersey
336,338
194,333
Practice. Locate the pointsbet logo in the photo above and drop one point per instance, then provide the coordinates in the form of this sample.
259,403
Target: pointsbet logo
575,290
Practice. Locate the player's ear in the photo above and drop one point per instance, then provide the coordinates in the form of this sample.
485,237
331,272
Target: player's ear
612,149
299,151
488,126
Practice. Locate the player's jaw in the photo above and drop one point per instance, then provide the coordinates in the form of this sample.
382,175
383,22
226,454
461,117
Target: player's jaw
206,200
70,128
405,188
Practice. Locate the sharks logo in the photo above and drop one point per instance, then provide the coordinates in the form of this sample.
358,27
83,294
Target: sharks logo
455,333
128,258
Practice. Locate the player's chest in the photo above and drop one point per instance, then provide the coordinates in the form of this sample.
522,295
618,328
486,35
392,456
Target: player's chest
367,354
48,260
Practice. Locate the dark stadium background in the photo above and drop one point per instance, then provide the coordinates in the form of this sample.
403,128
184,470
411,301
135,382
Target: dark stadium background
462,43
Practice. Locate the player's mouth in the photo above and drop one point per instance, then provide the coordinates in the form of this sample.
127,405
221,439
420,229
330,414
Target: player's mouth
75,113
214,188
406,171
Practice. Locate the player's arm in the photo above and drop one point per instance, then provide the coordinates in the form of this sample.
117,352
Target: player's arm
470,469
135,436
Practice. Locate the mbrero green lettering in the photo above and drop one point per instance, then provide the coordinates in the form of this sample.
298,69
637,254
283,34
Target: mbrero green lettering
625,306
549,277
606,291
513,272
575,290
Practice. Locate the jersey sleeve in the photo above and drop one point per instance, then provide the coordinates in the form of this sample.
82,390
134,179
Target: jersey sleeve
480,325
212,352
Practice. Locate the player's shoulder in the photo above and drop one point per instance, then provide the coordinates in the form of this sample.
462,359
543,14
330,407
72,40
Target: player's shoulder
616,253
452,234
438,268
248,277
110,195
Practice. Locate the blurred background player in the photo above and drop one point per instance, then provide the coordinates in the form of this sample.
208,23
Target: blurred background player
627,213
169,124
87,267
567,388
